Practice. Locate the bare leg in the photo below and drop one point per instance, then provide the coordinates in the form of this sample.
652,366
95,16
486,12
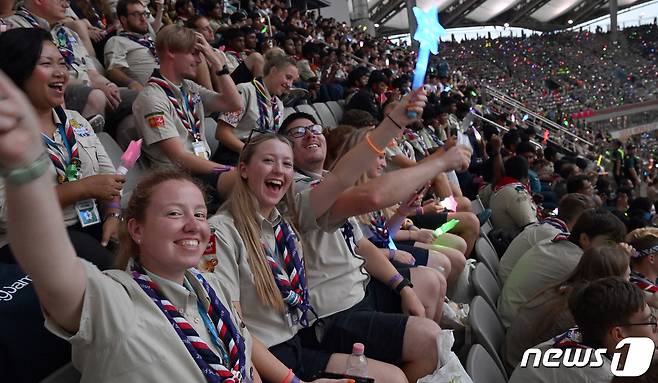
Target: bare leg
96,103
430,286
380,371
419,352
440,255
468,228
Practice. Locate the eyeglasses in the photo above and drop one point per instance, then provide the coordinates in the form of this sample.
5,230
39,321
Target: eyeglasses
144,14
652,322
300,131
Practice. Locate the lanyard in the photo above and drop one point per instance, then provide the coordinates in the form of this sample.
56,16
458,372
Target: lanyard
213,334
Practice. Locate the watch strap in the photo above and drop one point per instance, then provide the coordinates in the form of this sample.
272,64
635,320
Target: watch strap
403,283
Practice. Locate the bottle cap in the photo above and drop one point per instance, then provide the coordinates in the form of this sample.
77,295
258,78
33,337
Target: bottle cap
358,348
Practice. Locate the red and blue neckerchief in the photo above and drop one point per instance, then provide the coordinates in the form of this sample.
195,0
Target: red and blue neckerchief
144,40
558,224
64,41
27,16
291,281
234,53
191,120
416,141
210,364
379,227
569,339
643,283
64,162
263,100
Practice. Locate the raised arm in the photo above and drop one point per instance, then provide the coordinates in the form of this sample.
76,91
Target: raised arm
349,168
37,234
398,185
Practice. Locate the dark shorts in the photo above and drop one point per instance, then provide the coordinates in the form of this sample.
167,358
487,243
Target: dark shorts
419,254
430,221
376,321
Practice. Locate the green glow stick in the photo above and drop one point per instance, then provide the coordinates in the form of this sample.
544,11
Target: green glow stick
446,227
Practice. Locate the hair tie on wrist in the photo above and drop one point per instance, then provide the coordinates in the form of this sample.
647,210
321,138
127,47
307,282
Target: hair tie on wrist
378,151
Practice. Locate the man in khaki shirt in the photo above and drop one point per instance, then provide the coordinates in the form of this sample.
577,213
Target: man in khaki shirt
172,125
130,56
511,204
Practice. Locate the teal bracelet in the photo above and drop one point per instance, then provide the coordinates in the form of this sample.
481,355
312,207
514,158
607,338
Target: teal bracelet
28,173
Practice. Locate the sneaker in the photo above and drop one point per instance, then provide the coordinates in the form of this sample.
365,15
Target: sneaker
484,216
97,122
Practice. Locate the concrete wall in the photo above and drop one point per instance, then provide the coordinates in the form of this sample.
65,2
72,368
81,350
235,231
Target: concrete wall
338,10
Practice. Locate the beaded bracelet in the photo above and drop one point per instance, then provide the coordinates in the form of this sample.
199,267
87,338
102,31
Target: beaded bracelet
419,210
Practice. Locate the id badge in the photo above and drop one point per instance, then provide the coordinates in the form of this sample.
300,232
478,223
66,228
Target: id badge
200,149
87,212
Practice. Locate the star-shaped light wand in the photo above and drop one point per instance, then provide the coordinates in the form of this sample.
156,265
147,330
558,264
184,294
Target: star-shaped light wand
427,34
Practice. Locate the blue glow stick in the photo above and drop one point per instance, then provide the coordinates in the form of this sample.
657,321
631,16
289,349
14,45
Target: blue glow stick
427,34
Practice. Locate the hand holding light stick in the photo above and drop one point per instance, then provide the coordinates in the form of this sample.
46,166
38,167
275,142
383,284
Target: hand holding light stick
130,156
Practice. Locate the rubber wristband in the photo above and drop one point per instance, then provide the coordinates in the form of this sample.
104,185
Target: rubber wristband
31,172
391,254
289,377
394,279
419,210
373,148
113,205
395,122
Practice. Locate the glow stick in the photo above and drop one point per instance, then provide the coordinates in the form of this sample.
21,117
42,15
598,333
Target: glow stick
427,34
130,156
446,227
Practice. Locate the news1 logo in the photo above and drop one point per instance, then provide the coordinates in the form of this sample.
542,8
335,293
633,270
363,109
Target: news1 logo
638,357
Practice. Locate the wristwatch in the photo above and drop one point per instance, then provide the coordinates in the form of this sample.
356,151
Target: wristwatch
403,283
223,71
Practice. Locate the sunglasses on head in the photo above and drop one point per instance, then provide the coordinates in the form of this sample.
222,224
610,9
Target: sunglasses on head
300,131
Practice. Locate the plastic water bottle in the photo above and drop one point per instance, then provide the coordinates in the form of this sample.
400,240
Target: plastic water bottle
357,364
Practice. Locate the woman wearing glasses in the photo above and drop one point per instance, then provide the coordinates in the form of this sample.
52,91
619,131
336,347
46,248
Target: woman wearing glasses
257,253
262,108
88,187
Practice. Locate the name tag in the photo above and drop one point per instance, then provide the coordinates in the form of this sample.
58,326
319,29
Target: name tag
87,212
200,150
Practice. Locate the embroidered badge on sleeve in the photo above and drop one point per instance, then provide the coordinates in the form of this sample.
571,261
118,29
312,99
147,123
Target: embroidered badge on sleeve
155,120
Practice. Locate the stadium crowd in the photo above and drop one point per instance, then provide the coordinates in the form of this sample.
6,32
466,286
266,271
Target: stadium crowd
265,251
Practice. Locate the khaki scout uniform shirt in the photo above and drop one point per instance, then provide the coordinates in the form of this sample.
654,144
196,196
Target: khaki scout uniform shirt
523,242
246,119
125,337
512,208
121,53
157,120
233,270
336,278
93,160
81,60
546,263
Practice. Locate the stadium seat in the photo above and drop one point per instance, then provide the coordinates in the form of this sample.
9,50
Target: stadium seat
305,108
487,329
476,206
327,118
485,253
65,374
211,128
486,228
336,110
287,112
481,367
485,284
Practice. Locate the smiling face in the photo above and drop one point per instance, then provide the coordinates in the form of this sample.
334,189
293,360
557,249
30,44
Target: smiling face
377,168
174,233
279,80
53,10
45,86
309,150
268,173
186,63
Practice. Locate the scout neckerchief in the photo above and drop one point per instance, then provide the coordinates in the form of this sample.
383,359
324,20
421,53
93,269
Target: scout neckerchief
66,164
291,281
569,339
64,41
210,364
416,141
234,53
557,223
509,181
379,227
263,116
144,40
190,120
643,283
27,16
347,230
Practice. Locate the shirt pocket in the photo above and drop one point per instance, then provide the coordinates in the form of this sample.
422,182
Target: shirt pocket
88,152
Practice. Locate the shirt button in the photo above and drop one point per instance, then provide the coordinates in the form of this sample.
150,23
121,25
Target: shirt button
196,320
